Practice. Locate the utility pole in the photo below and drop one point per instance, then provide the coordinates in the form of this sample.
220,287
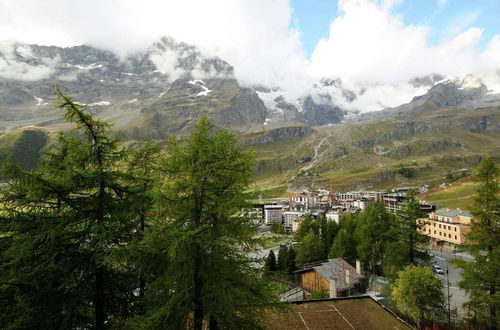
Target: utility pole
449,304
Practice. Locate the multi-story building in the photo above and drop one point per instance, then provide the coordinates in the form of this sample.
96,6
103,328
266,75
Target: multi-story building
290,217
308,200
334,215
273,214
446,228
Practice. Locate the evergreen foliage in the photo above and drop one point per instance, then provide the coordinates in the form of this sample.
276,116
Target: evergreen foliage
200,232
344,244
310,250
480,277
373,232
99,237
270,264
283,258
61,221
415,243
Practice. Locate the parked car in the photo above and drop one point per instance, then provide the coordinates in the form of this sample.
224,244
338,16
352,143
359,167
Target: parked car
437,269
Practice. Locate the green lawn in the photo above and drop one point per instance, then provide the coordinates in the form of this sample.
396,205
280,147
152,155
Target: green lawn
459,195
269,242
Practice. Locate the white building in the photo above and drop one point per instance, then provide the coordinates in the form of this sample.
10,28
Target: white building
273,214
290,217
360,203
333,216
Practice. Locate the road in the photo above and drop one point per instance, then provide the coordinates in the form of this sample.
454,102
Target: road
458,296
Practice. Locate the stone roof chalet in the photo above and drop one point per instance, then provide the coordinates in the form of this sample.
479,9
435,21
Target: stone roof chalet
335,269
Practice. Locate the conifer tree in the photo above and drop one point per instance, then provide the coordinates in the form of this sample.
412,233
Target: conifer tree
142,175
372,233
208,280
310,250
283,258
62,220
270,265
408,226
480,277
291,264
344,244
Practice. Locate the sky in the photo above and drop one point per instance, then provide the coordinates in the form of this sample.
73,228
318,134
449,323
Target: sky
374,46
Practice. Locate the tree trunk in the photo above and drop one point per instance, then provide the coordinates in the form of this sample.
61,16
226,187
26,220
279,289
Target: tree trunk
99,298
197,291
212,325
412,254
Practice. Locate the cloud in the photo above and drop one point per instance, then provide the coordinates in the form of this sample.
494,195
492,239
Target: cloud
371,49
253,36
29,68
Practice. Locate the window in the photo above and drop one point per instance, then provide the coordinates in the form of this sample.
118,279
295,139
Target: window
434,232
449,227
439,225
455,228
440,234
449,235
455,236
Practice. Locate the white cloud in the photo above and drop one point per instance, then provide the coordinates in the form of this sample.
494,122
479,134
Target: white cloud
11,68
253,36
368,46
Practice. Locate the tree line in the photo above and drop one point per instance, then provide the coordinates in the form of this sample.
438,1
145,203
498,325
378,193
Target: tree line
392,246
101,236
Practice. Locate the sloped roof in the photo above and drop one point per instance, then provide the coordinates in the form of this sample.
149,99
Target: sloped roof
337,313
335,269
453,213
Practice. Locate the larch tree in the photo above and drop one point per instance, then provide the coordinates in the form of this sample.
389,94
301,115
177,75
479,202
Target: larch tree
61,221
344,244
310,250
209,279
372,234
480,277
408,226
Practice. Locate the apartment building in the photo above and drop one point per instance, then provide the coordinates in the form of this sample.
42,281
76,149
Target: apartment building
446,228
290,217
273,214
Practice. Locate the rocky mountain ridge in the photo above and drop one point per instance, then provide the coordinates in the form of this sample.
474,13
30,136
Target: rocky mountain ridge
146,95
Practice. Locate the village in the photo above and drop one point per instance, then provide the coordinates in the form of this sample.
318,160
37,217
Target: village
335,277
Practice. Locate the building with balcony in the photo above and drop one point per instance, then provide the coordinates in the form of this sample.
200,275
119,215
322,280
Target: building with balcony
446,228
273,214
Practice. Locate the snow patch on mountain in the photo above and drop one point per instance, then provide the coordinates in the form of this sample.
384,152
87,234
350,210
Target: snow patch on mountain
269,99
39,101
91,66
200,83
100,104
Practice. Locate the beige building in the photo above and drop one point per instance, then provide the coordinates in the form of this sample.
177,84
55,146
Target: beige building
446,228
290,217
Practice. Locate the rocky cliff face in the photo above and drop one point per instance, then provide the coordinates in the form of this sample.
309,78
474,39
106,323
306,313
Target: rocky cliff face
273,135
153,93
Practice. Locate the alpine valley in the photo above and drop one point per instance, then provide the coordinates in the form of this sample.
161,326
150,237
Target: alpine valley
314,141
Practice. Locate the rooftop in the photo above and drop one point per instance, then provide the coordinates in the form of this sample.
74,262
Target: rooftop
337,313
453,213
335,269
